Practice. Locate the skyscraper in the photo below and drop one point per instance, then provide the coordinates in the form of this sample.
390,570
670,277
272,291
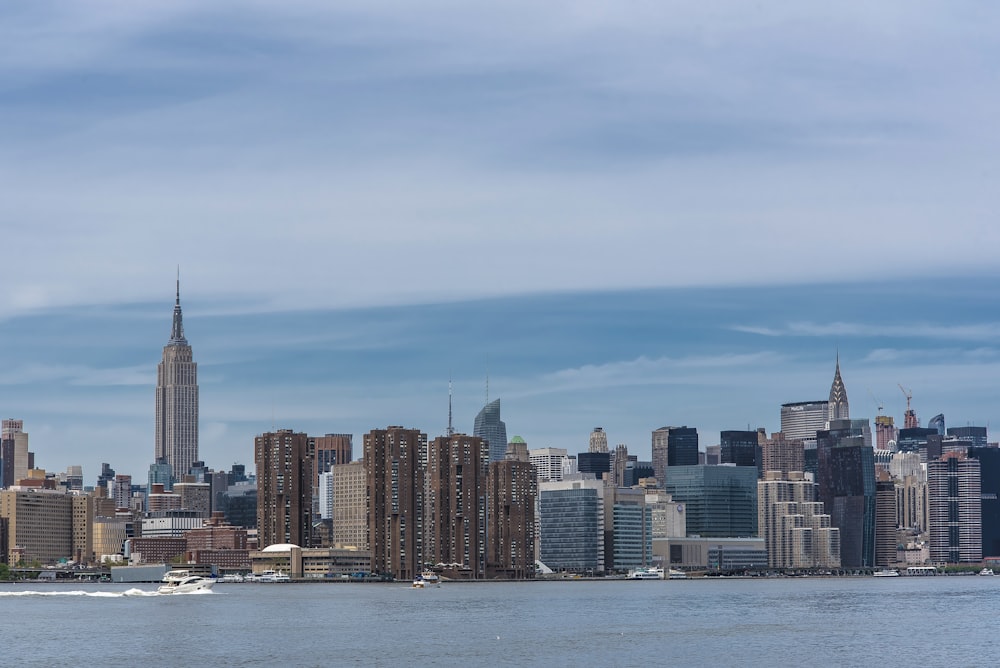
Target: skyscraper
395,499
177,400
839,409
284,488
846,477
598,440
741,448
511,495
455,504
673,446
801,420
492,430
955,498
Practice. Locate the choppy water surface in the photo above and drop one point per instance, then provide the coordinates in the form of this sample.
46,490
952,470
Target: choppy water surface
936,621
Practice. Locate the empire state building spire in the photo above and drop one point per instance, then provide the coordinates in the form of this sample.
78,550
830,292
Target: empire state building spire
177,331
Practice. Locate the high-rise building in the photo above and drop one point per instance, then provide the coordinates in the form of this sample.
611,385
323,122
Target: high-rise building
597,463
838,409
348,513
975,434
720,501
628,530
619,464
846,477
598,440
910,478
954,494
885,432
796,531
937,424
512,491
106,478
489,427
331,450
801,420
14,450
571,521
989,476
780,453
284,462
177,400
885,520
674,446
517,450
455,503
122,491
395,500
741,448
39,524
548,462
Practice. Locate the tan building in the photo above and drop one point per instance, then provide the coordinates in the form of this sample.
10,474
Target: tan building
779,453
512,490
284,462
455,504
394,460
196,496
109,534
83,528
796,531
40,524
349,514
331,450
159,500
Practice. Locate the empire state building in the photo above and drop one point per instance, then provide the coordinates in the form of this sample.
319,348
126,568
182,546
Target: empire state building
177,400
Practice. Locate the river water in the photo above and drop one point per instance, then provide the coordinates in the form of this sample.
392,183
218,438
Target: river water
905,621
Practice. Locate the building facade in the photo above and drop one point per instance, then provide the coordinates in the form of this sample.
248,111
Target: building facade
177,400
489,427
954,493
455,503
284,487
719,501
512,490
571,521
395,500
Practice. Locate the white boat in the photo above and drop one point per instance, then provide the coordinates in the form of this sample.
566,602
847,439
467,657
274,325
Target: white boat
272,576
183,582
886,573
652,573
231,577
675,574
426,579
986,571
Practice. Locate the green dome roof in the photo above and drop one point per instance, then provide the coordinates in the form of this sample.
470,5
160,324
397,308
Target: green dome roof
517,439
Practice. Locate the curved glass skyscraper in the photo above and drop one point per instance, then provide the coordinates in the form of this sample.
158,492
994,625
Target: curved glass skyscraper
490,428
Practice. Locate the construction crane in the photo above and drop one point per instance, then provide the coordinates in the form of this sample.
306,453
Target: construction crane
878,403
910,416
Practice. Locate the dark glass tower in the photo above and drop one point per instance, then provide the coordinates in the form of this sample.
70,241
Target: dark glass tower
846,477
741,448
682,446
492,430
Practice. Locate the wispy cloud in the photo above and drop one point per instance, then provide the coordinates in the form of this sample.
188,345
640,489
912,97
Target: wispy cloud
924,330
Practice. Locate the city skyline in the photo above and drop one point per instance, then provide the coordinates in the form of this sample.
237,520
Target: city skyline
626,216
708,376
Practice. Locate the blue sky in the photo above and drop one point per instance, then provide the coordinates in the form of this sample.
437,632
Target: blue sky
632,215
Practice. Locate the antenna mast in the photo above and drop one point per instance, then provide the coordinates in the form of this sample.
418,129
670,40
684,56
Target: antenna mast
451,430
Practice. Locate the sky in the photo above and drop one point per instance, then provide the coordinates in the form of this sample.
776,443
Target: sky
624,214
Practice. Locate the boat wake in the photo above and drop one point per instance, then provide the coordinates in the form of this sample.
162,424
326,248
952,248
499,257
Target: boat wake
98,594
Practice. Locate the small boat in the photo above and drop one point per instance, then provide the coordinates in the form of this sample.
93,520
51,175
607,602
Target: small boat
986,571
183,582
886,573
652,573
675,574
426,579
272,576
231,577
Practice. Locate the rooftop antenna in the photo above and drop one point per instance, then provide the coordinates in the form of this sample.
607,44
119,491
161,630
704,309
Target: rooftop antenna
451,430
